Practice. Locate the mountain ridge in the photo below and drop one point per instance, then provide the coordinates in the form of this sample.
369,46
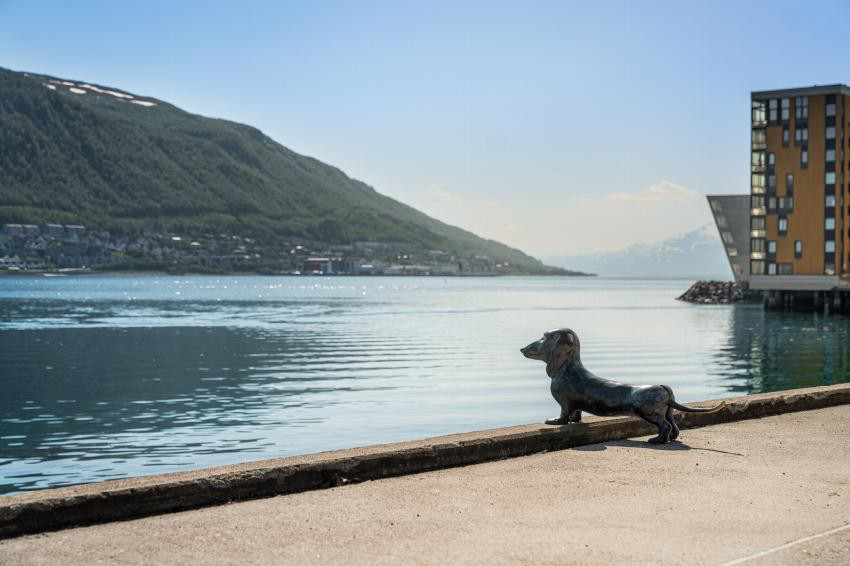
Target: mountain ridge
698,253
72,151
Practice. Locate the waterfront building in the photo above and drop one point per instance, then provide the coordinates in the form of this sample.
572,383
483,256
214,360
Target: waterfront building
799,199
732,217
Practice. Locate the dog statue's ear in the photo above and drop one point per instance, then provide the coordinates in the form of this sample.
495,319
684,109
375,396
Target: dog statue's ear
556,356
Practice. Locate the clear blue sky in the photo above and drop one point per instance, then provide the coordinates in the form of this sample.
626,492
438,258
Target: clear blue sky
557,127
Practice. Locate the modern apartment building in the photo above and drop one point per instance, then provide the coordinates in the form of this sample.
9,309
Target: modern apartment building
799,209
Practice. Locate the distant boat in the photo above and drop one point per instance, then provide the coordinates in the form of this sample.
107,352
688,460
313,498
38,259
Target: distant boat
53,274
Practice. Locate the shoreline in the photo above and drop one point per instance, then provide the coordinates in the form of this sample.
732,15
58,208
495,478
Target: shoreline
258,274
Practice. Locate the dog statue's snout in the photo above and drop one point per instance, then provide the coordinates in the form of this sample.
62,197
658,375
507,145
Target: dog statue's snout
532,350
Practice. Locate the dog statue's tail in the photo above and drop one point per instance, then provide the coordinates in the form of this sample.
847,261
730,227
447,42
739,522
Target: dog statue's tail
685,409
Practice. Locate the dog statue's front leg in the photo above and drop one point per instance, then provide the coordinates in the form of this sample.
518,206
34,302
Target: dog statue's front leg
563,419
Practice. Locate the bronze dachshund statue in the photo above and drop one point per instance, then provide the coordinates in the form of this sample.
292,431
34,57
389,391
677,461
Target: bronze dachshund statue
576,389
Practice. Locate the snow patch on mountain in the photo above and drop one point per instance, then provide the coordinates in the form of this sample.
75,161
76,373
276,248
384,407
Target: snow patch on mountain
695,254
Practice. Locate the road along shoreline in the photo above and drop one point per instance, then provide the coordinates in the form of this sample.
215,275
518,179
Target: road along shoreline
58,508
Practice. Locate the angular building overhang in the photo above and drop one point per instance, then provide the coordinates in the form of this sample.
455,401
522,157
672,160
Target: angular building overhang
732,218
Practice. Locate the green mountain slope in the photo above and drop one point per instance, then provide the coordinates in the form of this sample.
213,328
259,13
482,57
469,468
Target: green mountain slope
94,155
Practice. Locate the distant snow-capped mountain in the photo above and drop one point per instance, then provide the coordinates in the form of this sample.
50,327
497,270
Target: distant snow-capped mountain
698,254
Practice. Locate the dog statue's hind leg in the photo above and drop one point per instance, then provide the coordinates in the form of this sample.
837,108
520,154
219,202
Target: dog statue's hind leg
674,434
665,428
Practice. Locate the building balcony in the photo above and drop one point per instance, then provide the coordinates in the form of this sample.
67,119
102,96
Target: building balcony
758,211
758,233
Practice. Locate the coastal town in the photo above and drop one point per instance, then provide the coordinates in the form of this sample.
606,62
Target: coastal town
53,247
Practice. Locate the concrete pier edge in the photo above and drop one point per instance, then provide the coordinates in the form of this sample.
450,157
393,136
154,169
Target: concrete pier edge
86,504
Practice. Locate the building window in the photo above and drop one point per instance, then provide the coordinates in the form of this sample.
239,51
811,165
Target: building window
829,202
829,178
830,132
830,155
786,269
757,245
757,267
798,248
771,204
757,182
786,136
757,202
772,109
758,161
830,109
829,246
716,206
771,246
829,269
783,226
801,105
757,223
759,138
804,158
786,107
829,224
786,204
727,237
759,112
771,269
789,183
801,135
721,221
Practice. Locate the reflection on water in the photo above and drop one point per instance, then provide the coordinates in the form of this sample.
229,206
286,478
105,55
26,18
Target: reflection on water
106,377
772,351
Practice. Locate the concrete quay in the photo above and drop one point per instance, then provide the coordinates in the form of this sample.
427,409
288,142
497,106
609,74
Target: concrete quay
136,497
767,490
774,490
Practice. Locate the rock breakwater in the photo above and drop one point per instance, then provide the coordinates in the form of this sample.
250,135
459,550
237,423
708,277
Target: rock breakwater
720,293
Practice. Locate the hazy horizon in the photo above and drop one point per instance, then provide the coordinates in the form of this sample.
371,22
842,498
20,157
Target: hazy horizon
557,128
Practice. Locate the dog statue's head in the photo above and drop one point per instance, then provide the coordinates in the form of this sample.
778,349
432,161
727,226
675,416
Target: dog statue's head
557,348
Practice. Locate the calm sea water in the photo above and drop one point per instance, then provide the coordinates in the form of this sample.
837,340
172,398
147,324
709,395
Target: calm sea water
104,377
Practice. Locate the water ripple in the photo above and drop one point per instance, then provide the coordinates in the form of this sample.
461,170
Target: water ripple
107,377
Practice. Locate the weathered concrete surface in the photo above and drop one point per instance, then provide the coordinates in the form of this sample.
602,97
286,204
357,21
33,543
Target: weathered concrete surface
87,504
726,492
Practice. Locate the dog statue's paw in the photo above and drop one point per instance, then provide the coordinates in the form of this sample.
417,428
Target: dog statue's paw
558,421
